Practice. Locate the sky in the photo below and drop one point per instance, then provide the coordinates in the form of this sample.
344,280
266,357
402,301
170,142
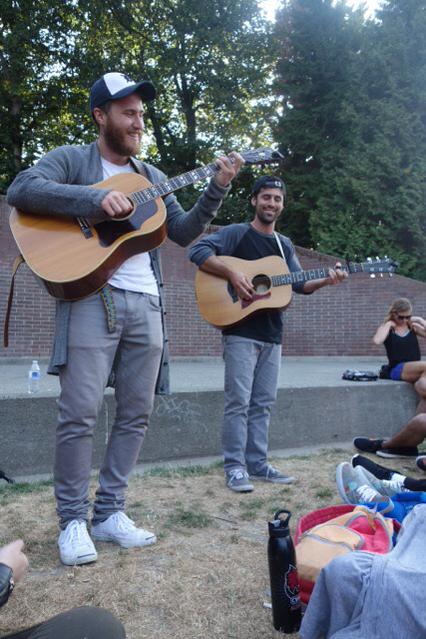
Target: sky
370,6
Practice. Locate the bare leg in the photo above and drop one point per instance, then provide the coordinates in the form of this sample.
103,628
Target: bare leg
412,434
415,373
415,431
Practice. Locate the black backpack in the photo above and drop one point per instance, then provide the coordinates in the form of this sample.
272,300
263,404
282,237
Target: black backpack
359,376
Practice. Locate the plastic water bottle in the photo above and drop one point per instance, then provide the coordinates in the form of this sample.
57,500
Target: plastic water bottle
286,606
34,375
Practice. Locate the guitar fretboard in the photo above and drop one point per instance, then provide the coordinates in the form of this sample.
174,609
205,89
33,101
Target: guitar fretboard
173,184
312,274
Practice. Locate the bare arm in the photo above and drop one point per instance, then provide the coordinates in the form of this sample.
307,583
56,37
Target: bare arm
239,281
382,332
418,325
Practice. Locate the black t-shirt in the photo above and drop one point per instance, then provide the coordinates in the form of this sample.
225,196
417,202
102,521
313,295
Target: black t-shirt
266,326
402,349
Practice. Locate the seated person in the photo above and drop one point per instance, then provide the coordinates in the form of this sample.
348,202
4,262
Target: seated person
399,332
79,623
365,595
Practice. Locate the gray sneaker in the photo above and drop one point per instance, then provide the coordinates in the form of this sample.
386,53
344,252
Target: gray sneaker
238,480
272,475
349,480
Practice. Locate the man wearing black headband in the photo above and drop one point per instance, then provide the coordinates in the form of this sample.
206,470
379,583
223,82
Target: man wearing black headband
119,330
252,349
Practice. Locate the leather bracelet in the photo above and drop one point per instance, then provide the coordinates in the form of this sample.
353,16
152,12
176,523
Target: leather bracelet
6,583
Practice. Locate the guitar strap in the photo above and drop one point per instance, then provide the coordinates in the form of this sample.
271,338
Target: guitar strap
16,264
280,246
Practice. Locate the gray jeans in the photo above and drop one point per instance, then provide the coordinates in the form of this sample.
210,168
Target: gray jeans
251,377
134,351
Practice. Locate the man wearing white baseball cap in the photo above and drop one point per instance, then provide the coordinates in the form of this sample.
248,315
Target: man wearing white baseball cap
118,330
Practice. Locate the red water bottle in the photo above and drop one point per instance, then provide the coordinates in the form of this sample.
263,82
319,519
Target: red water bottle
286,606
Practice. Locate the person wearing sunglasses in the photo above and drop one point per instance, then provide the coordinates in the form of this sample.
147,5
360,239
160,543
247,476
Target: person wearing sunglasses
399,332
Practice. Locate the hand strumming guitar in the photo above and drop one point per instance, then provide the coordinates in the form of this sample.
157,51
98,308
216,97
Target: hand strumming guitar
116,204
242,285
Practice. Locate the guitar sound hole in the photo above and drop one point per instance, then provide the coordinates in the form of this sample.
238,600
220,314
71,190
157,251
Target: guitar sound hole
261,284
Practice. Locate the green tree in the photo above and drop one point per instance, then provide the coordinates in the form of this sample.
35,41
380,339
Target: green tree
353,127
35,39
378,200
209,63
319,43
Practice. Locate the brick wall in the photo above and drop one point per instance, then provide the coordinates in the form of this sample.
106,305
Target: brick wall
333,321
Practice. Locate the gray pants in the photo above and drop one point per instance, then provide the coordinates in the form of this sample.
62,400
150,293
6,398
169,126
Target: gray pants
134,351
251,379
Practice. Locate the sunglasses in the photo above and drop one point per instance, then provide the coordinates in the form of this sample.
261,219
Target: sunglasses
404,317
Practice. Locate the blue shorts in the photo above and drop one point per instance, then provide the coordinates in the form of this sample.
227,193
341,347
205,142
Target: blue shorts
396,372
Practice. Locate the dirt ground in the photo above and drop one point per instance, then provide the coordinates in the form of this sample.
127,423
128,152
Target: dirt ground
207,576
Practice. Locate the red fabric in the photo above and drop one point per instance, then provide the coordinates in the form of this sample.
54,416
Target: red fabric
374,541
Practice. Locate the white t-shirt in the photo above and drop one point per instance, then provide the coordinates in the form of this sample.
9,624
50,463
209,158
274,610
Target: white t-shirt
135,274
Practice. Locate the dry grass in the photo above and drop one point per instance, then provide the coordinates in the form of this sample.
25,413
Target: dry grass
206,577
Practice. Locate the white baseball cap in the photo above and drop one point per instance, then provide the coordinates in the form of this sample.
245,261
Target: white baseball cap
113,86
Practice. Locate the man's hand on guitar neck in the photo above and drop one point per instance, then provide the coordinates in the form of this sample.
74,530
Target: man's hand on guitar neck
229,167
116,204
335,276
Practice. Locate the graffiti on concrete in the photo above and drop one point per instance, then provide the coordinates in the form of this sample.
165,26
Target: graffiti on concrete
177,410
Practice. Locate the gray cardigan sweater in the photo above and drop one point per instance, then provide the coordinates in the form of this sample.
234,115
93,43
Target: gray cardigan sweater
58,185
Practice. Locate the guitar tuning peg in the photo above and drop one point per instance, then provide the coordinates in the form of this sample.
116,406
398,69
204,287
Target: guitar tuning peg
377,258
391,274
381,274
369,259
372,275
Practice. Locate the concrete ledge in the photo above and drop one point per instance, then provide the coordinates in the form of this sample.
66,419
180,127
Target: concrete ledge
188,424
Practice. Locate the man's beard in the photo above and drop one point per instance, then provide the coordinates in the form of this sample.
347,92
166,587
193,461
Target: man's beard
261,216
117,142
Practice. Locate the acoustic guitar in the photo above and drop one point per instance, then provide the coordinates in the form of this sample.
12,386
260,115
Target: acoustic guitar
74,258
220,305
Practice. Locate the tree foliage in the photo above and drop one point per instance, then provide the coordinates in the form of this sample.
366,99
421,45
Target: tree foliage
208,62
344,98
34,47
355,120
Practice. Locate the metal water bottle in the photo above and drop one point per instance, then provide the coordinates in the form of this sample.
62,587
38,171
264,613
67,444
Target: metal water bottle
286,607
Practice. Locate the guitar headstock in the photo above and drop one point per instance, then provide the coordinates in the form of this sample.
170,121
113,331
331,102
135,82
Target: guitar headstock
379,265
262,155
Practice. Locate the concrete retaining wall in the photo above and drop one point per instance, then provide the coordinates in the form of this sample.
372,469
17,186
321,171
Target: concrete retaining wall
188,424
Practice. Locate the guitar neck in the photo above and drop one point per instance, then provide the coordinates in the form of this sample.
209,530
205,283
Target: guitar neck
312,274
261,156
173,184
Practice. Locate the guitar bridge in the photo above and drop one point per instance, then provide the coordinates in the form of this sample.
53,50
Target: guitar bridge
85,228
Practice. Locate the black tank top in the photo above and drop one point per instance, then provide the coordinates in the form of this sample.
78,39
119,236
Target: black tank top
402,349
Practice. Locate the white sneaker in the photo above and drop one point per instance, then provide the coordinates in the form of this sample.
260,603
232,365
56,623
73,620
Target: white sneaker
122,530
368,495
75,545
